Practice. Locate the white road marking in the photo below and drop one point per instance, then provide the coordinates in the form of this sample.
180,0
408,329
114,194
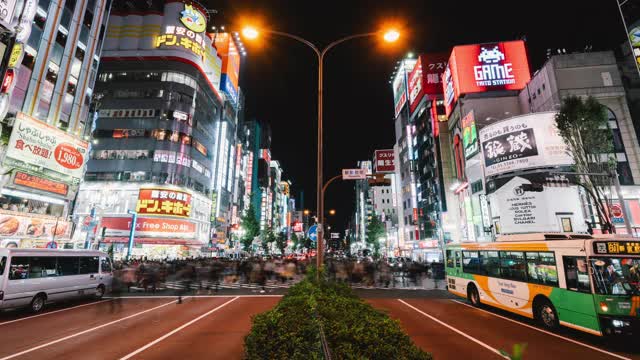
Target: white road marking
84,332
52,312
546,332
192,296
455,330
136,352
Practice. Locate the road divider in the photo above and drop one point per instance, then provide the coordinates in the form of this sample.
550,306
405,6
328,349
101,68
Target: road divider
85,331
484,345
136,352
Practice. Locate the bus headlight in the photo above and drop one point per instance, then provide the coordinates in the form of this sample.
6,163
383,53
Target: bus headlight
620,323
604,307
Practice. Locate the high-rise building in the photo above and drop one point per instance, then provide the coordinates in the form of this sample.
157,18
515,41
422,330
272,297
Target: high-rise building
53,62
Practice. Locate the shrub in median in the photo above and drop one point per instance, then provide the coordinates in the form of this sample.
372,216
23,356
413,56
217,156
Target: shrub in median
353,328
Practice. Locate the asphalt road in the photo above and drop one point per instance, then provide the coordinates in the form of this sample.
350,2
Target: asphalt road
136,328
213,327
452,329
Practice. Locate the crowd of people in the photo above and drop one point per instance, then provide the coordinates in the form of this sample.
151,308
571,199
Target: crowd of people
210,273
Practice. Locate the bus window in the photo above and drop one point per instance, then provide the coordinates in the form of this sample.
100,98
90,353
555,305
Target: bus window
449,258
512,265
470,262
88,264
105,265
19,268
490,263
458,258
577,275
3,263
40,267
541,268
68,265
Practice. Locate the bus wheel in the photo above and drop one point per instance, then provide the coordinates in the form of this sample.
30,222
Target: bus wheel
546,314
99,292
473,295
37,304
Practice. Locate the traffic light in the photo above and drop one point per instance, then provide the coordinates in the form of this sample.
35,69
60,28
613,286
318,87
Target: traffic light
533,187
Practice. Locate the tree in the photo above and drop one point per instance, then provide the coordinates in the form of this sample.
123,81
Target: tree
296,241
584,127
375,231
268,237
281,241
250,228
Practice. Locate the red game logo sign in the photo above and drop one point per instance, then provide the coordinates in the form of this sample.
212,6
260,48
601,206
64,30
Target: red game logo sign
385,161
485,67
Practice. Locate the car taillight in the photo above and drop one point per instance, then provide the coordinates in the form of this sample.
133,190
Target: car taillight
8,80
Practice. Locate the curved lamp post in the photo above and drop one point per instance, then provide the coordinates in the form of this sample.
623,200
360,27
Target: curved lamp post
389,36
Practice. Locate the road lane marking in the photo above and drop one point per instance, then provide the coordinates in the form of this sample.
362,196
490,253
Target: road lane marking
136,352
52,312
546,332
84,332
455,330
195,296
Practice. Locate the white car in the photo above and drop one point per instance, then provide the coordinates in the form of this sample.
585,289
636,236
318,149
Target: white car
34,277
490,56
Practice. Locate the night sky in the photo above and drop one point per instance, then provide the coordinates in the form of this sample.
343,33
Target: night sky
279,75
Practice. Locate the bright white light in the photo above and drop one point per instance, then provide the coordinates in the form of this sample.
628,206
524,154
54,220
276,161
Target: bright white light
250,33
391,35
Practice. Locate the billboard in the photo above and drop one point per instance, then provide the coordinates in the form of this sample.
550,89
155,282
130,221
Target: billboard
36,182
385,161
149,227
45,150
230,55
426,78
469,135
163,201
176,34
32,226
523,142
400,84
485,67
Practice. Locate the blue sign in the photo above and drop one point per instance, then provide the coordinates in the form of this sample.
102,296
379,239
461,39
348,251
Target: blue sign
52,245
313,233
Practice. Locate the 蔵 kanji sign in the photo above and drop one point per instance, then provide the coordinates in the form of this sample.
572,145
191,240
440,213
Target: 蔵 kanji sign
523,142
385,161
162,201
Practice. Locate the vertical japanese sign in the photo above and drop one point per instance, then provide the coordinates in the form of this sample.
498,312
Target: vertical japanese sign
469,135
426,78
385,161
163,201
630,12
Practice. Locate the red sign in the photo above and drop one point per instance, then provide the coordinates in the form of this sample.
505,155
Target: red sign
35,182
426,78
616,210
385,161
485,67
162,201
149,227
68,156
297,227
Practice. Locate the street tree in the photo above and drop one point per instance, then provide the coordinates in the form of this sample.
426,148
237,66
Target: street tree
268,238
295,240
583,125
250,228
375,231
281,241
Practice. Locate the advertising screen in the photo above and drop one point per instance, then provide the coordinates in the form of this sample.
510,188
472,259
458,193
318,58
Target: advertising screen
36,182
162,201
523,142
426,78
32,226
400,84
44,149
149,227
385,161
230,64
485,67
469,135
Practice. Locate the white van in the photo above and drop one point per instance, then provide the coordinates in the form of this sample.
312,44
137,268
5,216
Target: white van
33,277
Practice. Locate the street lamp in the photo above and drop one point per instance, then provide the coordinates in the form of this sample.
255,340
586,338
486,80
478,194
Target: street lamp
389,35
332,212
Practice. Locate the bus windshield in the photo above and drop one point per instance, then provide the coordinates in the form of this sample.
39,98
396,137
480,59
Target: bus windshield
616,275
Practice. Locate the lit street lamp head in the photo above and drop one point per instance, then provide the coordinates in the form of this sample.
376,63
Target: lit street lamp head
391,35
250,32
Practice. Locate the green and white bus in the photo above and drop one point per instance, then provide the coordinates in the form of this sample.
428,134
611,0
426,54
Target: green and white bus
588,283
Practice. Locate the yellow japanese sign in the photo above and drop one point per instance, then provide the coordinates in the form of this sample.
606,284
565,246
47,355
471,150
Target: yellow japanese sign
164,202
16,53
617,247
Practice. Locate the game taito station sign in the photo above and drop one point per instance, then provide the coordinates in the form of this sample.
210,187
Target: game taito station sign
162,201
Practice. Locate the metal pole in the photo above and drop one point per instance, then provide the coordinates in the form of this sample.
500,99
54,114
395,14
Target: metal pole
320,181
134,220
623,206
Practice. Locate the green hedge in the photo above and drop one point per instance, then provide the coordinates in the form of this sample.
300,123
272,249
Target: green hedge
353,328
